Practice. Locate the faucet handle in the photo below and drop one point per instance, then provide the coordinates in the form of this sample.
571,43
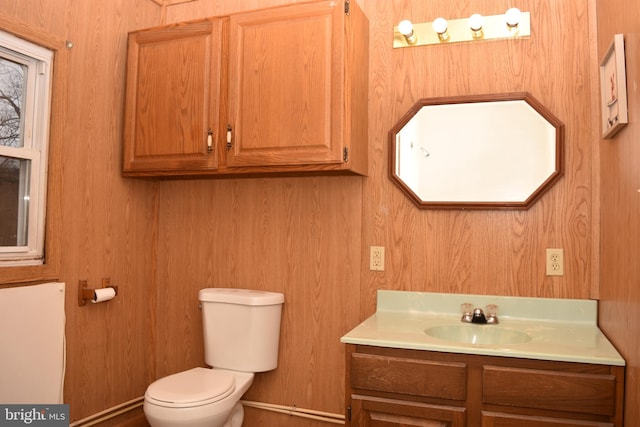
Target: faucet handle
467,312
492,313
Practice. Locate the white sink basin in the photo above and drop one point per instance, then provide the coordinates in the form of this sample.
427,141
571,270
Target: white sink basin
478,334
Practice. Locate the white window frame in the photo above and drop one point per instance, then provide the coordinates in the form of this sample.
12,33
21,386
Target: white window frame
36,115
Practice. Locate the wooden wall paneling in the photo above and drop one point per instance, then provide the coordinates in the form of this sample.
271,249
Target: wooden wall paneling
309,237
188,11
620,204
481,252
299,236
595,162
378,205
109,223
104,226
42,18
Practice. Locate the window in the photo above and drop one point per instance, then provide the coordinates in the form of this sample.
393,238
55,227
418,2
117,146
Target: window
25,98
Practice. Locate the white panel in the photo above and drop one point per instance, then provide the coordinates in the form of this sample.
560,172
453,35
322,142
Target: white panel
32,344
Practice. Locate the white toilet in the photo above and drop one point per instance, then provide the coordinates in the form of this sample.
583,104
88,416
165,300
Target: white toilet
241,337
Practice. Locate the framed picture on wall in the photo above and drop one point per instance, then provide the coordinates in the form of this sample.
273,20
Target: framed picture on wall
613,88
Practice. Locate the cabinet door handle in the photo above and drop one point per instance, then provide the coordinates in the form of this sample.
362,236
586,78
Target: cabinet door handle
229,137
209,141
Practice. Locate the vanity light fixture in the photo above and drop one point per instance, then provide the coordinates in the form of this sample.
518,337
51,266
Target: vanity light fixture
510,25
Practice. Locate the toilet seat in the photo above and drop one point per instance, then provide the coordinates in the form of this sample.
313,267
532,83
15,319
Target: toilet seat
195,387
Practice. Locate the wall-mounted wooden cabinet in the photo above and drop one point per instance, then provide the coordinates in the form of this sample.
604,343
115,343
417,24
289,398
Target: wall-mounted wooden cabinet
274,91
395,387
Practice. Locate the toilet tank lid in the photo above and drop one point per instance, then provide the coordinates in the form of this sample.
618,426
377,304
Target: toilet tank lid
240,296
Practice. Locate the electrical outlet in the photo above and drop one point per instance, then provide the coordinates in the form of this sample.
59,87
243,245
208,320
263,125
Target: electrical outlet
555,262
376,258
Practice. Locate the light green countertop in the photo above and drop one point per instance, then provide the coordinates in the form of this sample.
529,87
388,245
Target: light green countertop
559,329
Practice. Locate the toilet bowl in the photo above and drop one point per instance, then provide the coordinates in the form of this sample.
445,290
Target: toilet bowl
199,397
241,337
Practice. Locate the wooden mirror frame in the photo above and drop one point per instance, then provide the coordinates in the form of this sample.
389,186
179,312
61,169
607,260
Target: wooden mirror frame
486,205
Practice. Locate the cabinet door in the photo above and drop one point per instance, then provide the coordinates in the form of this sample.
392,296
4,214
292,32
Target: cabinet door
173,91
286,85
380,412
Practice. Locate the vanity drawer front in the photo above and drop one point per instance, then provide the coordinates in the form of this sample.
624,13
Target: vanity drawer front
443,380
554,390
492,419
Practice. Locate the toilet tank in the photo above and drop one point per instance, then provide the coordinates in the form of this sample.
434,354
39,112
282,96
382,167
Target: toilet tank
241,328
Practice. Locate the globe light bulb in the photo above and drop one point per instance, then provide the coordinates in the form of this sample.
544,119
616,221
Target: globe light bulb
405,28
476,22
440,26
512,17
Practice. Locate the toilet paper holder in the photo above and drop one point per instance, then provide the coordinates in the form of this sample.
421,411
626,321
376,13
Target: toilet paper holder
87,294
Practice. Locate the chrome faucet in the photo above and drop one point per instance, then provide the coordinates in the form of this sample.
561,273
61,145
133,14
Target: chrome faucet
471,315
478,317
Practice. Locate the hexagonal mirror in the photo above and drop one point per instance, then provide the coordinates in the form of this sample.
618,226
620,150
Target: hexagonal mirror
476,152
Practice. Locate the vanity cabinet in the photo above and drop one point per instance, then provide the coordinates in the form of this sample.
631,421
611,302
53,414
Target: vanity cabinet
273,91
388,387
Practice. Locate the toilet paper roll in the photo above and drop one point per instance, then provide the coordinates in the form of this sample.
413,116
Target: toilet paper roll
104,294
